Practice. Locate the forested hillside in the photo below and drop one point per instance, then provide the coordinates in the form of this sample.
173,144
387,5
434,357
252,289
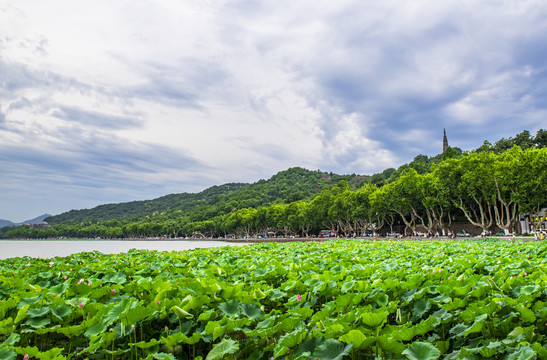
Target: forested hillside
287,186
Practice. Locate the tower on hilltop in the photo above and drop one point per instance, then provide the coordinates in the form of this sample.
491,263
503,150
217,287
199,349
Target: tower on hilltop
445,141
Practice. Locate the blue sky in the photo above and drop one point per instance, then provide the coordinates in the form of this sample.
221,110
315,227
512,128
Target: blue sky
105,101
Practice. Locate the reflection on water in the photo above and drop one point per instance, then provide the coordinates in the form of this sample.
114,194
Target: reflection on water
49,249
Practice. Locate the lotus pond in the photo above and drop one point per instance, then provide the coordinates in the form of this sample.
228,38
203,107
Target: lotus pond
344,299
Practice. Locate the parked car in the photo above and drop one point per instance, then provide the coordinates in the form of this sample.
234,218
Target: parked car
464,233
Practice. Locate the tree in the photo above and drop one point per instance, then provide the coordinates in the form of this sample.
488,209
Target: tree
400,197
365,215
469,182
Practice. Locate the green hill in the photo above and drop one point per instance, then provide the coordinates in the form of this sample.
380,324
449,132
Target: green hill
286,186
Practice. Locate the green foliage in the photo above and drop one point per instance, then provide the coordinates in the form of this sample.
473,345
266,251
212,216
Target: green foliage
330,300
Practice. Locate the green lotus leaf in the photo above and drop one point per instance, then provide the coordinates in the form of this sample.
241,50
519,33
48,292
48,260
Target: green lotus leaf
522,353
382,299
7,354
258,294
236,324
96,329
21,314
292,339
456,303
230,308
347,286
139,313
51,354
374,319
331,349
290,323
390,344
147,344
289,285
181,314
252,311
190,303
356,337
280,351
206,315
62,311
28,301
526,314
38,322
117,278
276,294
163,356
215,328
404,332
334,330
488,352
420,307
422,351
38,312
59,289
319,287
458,330
11,340
225,347
477,326
115,311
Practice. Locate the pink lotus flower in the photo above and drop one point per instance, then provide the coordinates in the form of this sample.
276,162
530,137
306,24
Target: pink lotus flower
113,291
64,277
298,297
157,302
52,294
25,357
89,283
81,305
76,302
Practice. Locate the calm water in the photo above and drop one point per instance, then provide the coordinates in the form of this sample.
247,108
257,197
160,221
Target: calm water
49,249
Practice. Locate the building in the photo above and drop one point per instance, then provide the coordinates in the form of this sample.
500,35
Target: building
40,225
445,141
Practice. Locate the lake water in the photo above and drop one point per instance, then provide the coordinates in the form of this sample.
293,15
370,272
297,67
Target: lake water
49,249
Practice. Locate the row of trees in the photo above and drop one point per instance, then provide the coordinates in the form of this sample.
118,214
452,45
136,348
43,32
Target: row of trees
485,188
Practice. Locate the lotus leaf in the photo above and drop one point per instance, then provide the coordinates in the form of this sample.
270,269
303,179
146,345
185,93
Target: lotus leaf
226,346
422,351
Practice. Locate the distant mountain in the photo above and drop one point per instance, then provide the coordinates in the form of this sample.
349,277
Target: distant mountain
5,223
31,221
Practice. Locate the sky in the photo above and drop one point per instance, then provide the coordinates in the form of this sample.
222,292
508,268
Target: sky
113,101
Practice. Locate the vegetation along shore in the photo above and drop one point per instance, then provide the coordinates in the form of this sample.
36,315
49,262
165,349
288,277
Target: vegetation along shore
339,299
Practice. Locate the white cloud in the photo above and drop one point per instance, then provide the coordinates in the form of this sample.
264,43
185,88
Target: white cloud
191,94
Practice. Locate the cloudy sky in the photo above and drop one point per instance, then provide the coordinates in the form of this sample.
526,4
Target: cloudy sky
110,101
